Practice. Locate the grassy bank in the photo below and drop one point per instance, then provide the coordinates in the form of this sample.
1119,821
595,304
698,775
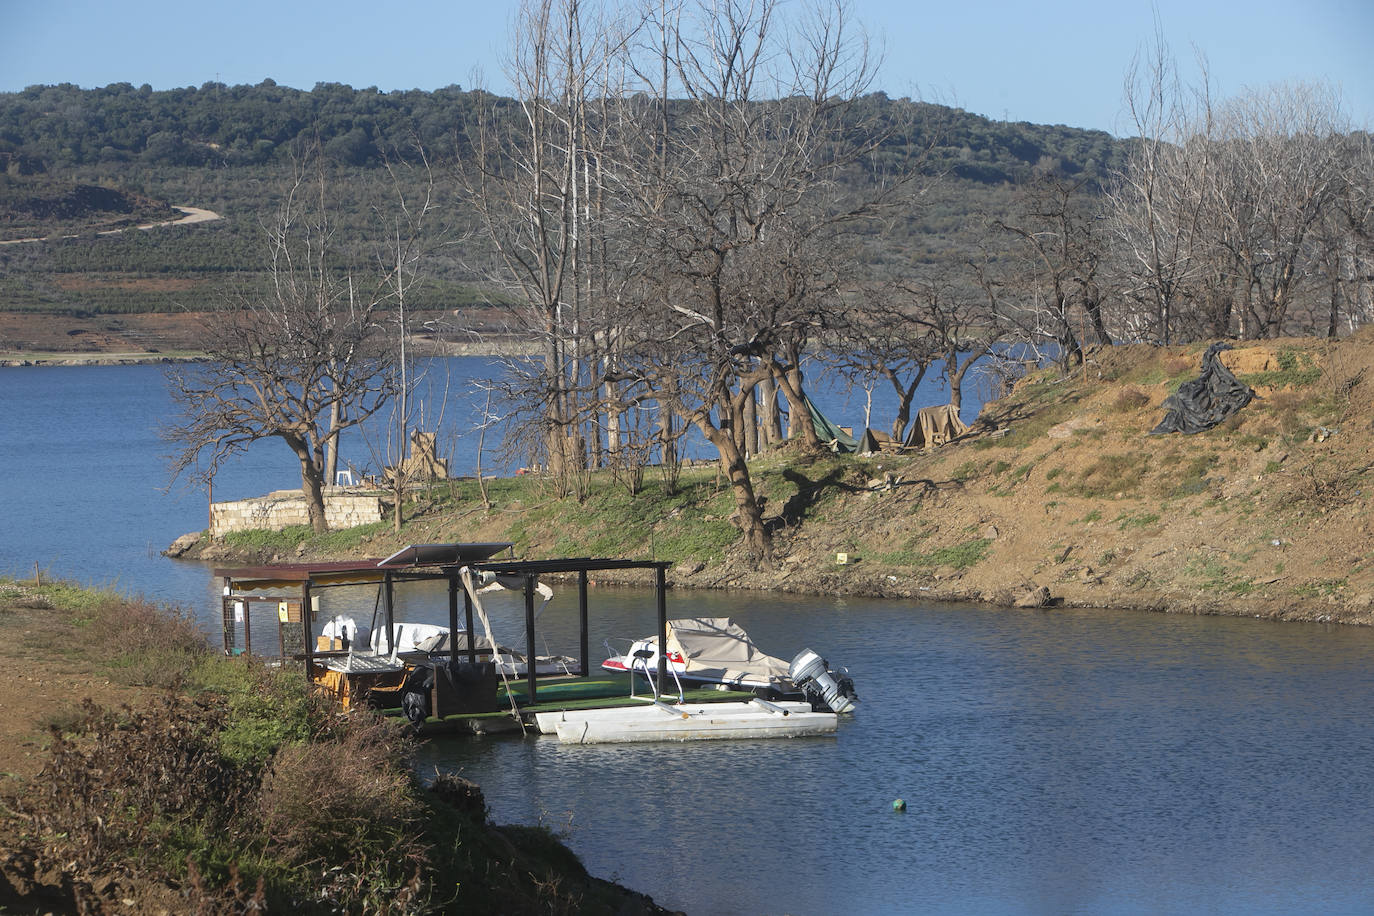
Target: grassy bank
176,780
1059,487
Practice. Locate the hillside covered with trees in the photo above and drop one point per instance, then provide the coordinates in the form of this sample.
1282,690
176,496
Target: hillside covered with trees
230,149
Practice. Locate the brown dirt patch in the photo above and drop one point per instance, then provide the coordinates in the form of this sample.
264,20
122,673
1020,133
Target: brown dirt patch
37,337
39,680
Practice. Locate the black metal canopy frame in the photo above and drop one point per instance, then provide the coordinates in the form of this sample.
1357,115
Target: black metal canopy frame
428,562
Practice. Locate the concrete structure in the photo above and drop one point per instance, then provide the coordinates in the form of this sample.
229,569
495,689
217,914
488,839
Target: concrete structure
343,508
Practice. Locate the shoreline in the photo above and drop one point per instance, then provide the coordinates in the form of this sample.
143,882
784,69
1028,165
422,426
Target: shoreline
17,359
422,348
971,587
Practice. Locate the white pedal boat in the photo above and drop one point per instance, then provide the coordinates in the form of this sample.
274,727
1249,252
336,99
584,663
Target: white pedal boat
664,722
548,721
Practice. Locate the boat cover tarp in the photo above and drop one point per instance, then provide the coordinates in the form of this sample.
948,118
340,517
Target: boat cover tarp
829,433
935,426
1207,400
717,647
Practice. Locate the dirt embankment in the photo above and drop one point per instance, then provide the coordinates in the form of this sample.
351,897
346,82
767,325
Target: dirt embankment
1265,515
1061,491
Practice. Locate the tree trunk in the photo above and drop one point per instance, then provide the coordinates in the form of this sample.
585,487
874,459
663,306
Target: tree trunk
770,422
668,443
331,460
1092,304
800,424
749,424
905,396
748,513
312,483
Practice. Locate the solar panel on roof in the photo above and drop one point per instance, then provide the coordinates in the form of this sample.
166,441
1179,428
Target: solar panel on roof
444,554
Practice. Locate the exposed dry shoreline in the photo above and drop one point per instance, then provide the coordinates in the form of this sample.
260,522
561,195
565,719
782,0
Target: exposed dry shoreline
39,339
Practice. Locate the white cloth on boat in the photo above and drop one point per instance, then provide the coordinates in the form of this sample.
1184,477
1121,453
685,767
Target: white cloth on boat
717,647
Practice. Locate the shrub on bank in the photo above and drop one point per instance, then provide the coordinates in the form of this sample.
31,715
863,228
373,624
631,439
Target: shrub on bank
241,792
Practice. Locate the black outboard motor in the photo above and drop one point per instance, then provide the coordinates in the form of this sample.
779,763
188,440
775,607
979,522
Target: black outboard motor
415,694
812,674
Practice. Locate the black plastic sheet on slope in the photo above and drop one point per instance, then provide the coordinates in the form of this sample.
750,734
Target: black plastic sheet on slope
1207,400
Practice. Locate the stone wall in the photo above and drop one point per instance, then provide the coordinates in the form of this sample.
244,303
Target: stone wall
343,508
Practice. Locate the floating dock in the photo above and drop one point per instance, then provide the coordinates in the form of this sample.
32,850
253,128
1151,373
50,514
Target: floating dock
558,694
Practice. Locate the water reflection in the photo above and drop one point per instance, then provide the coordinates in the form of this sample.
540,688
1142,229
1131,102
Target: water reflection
1070,761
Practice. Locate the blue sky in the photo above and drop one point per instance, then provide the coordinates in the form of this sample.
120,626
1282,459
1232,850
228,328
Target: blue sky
1052,61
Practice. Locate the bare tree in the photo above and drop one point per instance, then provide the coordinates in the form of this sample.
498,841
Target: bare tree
406,221
1278,167
736,196
300,361
882,338
1059,251
1156,202
537,182
1350,238
1226,216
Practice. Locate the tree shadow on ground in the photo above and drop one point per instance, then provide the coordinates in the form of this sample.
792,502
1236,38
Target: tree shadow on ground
808,494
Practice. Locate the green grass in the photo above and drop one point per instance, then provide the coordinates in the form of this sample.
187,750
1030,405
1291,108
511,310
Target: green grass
1212,574
1110,475
959,556
263,539
1297,369
1320,588
1129,520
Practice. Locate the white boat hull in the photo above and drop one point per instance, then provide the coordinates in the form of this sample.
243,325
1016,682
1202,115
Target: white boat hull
548,721
653,724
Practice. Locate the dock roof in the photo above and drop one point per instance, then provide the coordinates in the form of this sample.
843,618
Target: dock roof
424,560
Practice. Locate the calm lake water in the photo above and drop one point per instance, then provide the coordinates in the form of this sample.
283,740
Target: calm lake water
1052,762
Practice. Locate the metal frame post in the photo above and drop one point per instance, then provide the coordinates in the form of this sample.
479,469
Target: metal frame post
453,623
307,627
582,621
529,634
661,587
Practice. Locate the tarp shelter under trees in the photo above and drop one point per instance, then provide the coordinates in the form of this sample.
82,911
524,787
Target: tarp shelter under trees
935,426
1207,400
829,433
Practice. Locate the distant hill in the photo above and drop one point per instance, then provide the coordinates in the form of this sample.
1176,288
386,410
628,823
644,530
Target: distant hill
79,160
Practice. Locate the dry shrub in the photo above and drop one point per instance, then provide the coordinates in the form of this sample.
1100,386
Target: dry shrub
1324,485
1177,365
461,794
1131,399
132,783
148,644
1285,407
335,800
350,804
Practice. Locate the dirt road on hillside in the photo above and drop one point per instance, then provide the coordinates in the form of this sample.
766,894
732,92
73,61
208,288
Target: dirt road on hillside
193,215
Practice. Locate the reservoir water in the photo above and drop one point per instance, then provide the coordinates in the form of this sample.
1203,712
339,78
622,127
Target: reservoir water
1051,762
